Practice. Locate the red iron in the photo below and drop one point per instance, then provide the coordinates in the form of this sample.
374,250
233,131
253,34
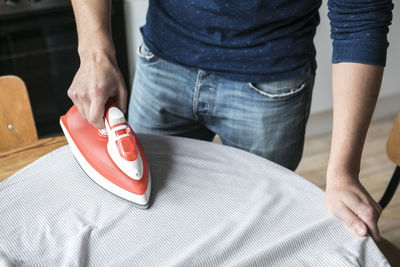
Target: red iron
112,157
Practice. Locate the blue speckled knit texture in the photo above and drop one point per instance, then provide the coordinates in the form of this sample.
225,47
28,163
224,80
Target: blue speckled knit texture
261,40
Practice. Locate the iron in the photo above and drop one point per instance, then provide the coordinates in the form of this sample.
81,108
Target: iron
112,157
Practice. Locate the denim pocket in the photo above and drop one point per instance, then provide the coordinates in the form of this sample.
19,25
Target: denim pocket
145,53
283,89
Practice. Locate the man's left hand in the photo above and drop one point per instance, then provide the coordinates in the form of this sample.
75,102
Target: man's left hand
348,200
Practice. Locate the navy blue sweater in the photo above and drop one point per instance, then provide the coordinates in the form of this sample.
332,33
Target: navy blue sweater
264,40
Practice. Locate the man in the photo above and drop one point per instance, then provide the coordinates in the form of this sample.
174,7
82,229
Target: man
245,71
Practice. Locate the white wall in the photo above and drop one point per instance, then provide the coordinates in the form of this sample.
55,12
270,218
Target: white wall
135,17
391,80
135,12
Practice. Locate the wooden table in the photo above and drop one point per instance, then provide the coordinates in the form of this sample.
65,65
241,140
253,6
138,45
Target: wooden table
14,159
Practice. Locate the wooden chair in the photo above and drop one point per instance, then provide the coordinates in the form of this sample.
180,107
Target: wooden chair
390,251
393,152
17,125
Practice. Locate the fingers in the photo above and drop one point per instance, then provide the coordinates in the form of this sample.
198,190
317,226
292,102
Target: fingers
81,109
353,205
73,95
92,108
369,214
352,220
93,84
96,112
367,210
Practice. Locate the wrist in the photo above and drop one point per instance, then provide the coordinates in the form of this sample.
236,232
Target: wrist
98,47
343,165
340,176
343,170
97,54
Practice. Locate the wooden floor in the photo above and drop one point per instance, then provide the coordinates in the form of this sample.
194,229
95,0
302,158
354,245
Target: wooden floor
376,171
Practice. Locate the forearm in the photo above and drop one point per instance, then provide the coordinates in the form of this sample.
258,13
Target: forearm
93,25
355,91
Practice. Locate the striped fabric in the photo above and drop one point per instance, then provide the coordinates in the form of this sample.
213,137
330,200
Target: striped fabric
211,205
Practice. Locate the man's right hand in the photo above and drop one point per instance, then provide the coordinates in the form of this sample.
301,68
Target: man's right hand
97,79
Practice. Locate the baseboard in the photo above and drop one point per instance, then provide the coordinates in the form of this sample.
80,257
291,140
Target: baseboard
321,122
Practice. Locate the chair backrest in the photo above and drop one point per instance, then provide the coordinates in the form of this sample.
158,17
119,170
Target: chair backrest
393,144
393,152
17,125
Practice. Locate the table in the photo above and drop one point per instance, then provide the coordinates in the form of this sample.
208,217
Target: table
11,160
211,205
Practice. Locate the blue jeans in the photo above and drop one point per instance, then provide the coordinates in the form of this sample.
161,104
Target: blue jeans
267,119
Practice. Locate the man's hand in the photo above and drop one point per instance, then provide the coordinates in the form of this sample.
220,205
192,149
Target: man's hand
349,201
97,79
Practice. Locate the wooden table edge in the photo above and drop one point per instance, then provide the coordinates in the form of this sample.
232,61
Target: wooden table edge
15,158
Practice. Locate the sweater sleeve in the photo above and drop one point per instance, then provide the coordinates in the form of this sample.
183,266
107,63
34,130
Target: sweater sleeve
359,30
